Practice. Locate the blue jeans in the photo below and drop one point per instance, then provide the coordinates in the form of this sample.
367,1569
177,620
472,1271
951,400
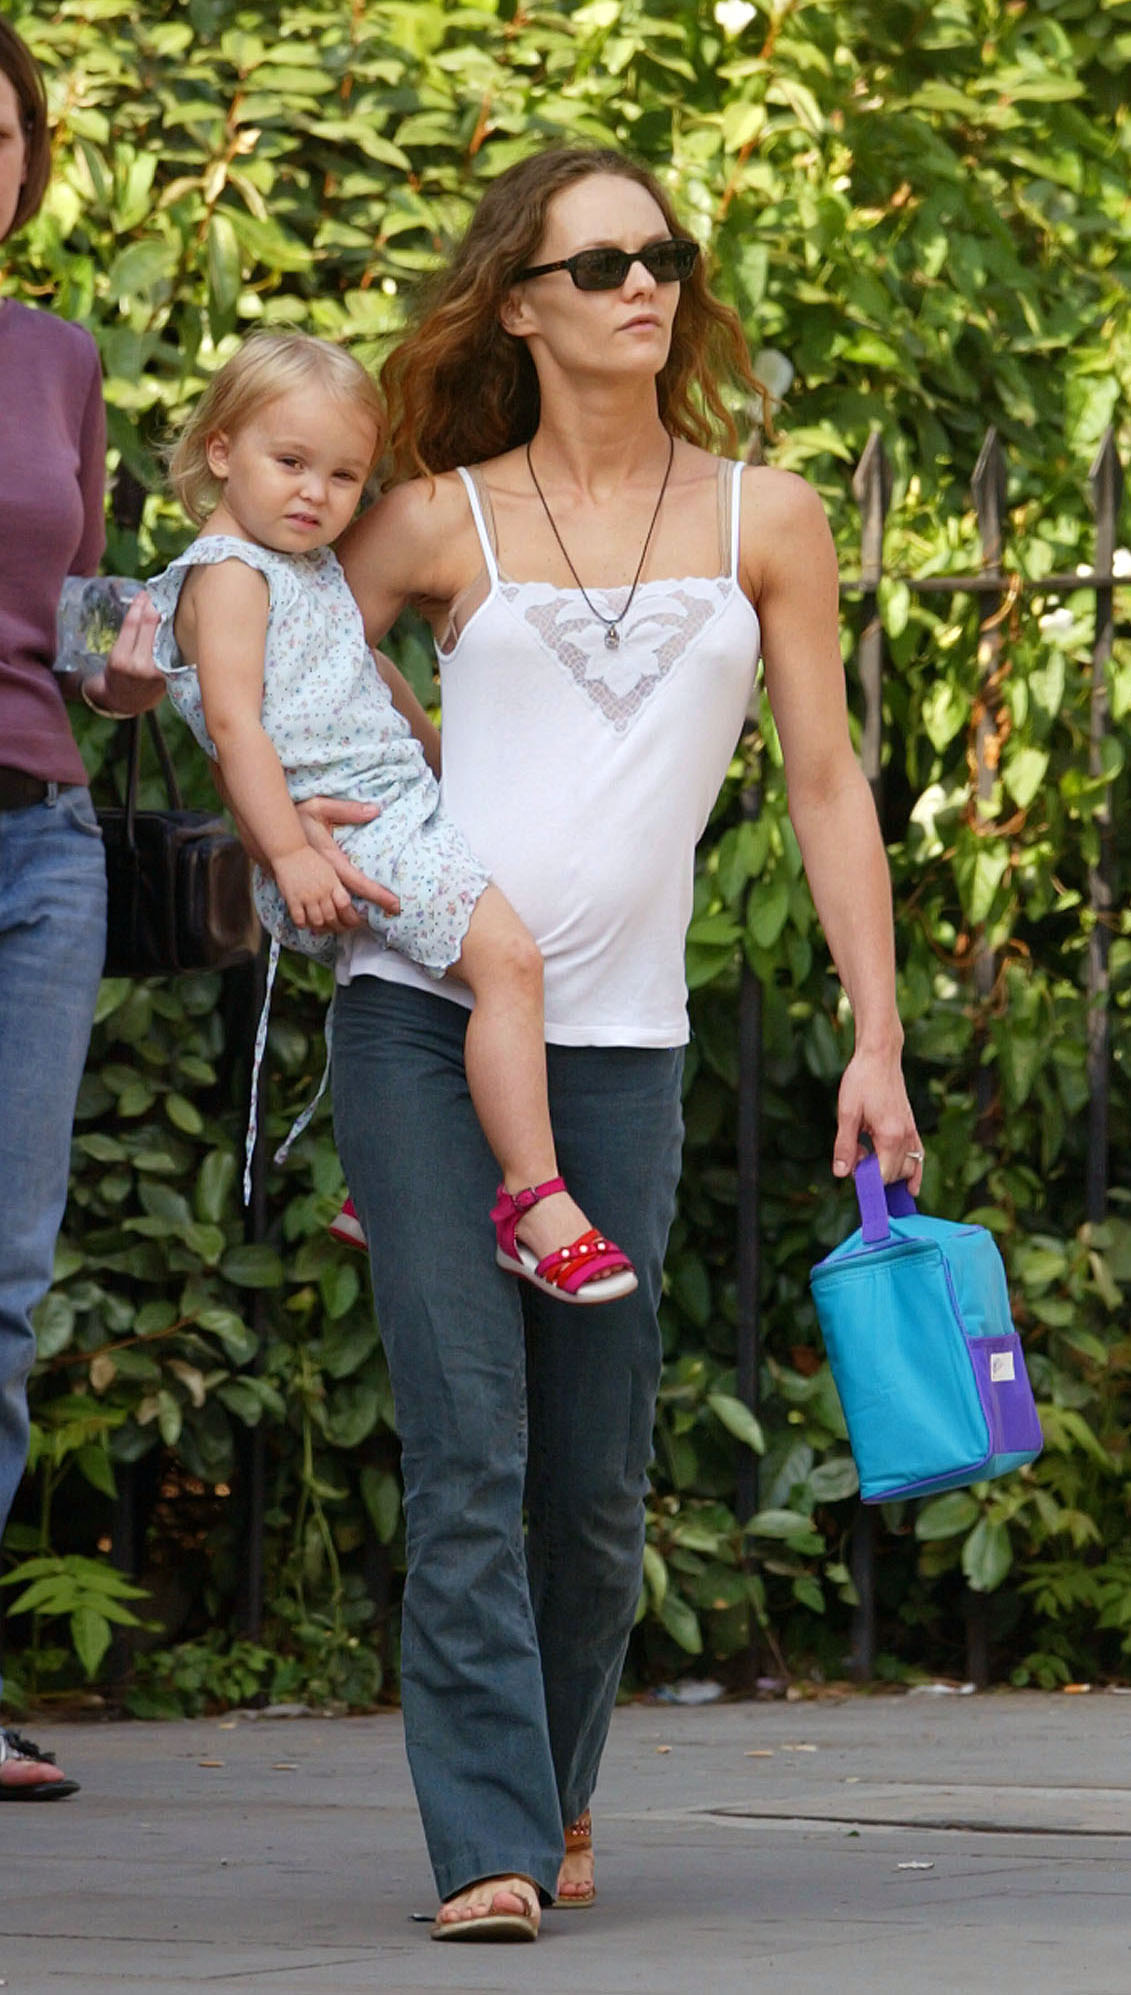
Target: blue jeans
52,942
512,1647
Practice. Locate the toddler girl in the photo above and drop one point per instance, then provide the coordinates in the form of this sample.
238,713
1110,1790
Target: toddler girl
265,654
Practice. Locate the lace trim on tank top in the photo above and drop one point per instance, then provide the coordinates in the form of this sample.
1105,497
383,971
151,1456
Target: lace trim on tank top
667,618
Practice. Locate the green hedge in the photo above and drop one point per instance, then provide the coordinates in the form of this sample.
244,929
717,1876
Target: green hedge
923,214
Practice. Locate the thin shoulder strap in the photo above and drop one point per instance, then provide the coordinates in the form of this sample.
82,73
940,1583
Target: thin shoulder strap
469,484
735,515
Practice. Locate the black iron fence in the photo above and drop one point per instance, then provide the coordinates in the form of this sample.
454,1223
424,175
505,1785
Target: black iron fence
996,590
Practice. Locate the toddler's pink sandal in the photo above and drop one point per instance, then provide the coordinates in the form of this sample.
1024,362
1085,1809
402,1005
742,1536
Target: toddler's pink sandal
348,1229
591,1269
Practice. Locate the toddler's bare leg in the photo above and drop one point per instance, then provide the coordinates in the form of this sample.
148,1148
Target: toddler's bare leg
505,1058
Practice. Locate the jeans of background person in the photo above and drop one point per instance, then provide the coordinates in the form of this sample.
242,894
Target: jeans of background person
52,942
511,1650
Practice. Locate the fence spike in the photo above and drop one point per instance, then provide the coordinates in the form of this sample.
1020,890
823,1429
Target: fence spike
988,489
871,487
1105,484
1105,481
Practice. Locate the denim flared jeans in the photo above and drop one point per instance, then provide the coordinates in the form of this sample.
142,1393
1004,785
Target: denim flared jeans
507,1403
52,942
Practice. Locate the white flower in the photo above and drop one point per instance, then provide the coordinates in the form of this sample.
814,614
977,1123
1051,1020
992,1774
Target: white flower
1056,623
733,15
774,369
1121,561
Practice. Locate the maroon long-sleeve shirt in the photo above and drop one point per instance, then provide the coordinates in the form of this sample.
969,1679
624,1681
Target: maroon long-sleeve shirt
52,481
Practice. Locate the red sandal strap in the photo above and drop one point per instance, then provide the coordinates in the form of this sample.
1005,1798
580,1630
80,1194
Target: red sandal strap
570,1268
510,1206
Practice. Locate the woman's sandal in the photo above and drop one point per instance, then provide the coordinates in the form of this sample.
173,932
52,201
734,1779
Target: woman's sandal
494,1925
590,1269
31,1775
578,1838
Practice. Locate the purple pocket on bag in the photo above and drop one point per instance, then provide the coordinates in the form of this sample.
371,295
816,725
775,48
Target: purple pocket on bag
1006,1395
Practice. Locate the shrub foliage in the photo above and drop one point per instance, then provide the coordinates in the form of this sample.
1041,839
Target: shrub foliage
921,214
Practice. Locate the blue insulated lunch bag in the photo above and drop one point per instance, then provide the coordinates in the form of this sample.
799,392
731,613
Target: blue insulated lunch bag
929,1368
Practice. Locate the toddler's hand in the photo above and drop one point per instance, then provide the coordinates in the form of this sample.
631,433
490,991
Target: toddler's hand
314,894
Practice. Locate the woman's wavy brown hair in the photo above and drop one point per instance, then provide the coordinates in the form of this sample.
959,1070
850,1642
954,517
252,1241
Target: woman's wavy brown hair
461,389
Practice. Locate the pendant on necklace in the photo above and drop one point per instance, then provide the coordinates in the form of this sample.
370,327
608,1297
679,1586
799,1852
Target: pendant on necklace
612,638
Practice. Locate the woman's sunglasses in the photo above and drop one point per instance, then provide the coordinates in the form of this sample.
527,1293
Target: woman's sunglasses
606,269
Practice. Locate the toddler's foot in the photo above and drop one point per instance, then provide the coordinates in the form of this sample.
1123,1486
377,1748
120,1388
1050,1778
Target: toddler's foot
537,1238
348,1229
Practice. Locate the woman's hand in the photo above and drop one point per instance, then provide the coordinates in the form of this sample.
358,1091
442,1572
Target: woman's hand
873,1098
318,815
130,682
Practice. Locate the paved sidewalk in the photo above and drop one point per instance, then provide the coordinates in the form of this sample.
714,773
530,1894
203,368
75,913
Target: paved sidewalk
864,1847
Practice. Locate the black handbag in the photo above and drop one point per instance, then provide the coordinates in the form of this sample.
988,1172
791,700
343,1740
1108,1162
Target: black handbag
178,882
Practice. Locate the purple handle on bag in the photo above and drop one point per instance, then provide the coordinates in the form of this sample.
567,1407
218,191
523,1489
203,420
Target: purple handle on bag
878,1202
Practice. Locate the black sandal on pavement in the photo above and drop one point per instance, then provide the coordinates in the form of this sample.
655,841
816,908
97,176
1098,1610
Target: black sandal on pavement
578,1839
494,1925
26,1778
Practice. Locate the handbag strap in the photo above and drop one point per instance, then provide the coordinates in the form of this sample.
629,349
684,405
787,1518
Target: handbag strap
879,1202
133,768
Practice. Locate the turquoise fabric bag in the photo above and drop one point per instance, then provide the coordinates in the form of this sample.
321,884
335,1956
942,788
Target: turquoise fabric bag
929,1368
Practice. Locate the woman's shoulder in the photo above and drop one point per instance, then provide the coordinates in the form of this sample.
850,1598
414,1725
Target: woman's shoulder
54,340
410,529
781,498
423,502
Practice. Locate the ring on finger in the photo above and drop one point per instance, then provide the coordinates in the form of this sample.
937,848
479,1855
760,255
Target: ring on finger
916,1156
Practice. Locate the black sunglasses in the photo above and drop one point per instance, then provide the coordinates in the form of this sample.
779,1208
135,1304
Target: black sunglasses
606,269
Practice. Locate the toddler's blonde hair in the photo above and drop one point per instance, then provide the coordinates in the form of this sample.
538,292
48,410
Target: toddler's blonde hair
267,365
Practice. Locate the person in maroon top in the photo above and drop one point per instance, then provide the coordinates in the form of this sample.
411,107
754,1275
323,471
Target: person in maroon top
52,870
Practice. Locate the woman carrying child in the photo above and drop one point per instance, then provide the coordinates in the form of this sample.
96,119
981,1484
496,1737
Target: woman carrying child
601,585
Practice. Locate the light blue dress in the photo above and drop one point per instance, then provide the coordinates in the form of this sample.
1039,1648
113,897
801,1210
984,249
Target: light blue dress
333,724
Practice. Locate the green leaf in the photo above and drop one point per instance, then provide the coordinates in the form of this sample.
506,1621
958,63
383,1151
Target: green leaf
253,1266
987,1556
682,1623
776,1524
90,1633
95,1464
738,1420
141,270
947,1516
54,1322
766,912
214,1182
184,1114
832,1480
238,1338
381,1495
655,1575
170,1417
1024,774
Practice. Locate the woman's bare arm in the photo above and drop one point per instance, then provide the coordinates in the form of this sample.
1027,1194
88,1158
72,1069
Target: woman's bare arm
792,575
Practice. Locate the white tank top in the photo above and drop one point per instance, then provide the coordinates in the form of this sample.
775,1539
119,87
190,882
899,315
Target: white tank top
583,777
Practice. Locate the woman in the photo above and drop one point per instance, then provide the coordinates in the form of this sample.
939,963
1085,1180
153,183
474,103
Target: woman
599,585
52,873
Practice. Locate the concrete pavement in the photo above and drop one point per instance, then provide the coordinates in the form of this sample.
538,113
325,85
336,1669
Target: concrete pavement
857,1847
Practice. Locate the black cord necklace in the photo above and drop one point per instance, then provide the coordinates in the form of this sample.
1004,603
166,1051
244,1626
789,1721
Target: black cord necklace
612,624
